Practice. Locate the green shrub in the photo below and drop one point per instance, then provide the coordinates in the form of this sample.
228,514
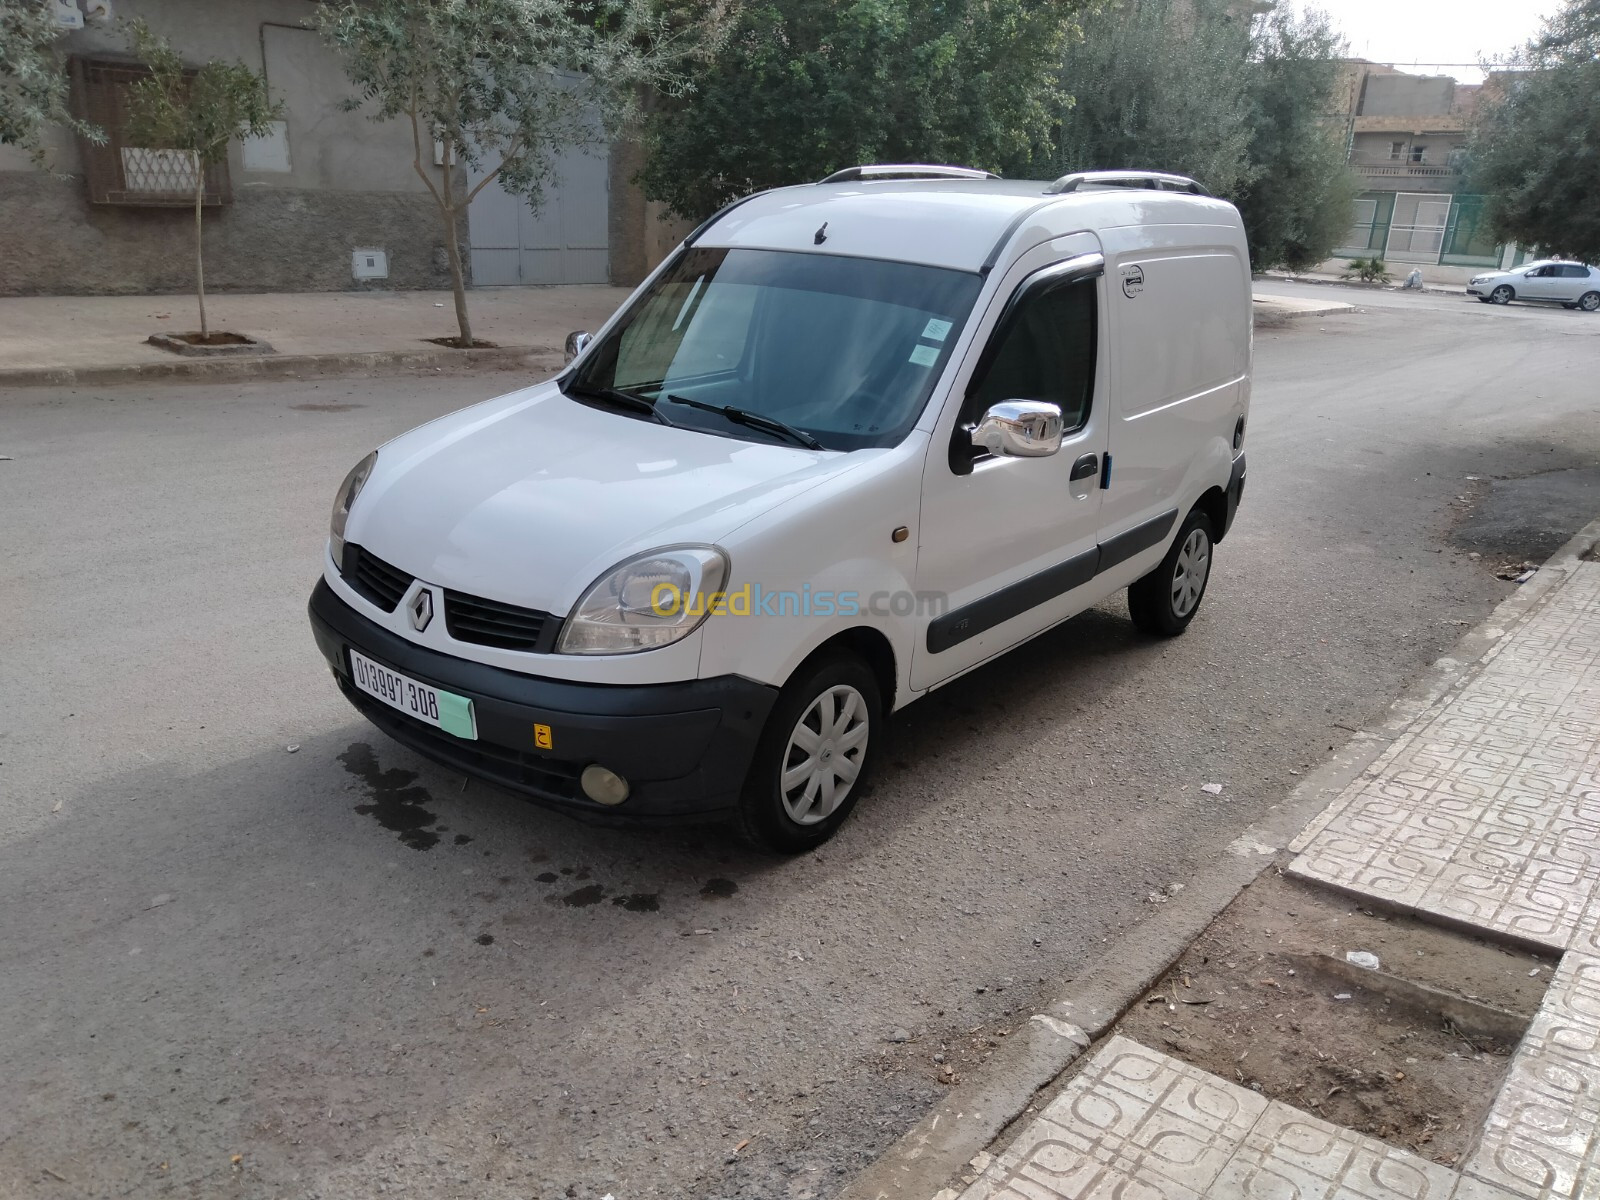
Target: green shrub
1368,270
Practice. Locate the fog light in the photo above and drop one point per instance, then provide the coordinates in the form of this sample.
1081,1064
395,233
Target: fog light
603,786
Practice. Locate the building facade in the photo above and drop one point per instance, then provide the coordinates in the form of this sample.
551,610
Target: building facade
331,200
1407,136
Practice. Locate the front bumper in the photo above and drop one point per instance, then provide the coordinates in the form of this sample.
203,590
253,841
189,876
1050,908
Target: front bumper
684,747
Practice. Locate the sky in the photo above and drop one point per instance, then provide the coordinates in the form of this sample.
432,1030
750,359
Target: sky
1436,31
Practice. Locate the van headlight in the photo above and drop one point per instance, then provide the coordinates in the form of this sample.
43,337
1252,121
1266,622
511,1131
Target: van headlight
650,600
348,491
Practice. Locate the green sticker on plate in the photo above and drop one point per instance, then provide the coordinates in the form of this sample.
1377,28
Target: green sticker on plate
455,716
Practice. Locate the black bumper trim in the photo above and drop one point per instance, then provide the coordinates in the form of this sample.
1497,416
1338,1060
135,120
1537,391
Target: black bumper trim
1235,494
683,747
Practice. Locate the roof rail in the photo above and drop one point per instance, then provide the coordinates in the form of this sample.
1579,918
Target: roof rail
1158,181
906,171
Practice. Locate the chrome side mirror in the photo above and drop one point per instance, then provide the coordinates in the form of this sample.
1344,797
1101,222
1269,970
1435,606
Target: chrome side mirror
1020,429
577,343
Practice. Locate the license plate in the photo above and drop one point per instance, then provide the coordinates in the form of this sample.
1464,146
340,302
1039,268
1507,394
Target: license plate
430,705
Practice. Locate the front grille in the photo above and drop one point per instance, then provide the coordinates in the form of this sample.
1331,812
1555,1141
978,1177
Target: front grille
492,623
520,770
373,578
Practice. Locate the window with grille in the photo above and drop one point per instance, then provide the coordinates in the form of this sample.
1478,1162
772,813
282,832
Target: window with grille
120,172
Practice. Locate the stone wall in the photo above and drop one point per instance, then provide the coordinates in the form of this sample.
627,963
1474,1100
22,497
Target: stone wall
266,240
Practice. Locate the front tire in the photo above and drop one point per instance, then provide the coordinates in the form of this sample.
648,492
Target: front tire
1589,302
813,757
1504,294
1166,600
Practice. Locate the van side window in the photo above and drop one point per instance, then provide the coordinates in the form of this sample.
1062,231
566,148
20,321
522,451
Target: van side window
1046,352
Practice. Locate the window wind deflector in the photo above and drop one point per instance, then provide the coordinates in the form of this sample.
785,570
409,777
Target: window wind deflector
1047,279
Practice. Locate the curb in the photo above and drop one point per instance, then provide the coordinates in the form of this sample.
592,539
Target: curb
1357,285
936,1152
277,366
1265,315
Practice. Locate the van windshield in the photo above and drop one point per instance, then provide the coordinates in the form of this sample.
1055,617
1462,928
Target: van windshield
844,350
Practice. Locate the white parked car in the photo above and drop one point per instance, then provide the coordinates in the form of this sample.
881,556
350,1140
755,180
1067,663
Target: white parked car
1569,284
850,441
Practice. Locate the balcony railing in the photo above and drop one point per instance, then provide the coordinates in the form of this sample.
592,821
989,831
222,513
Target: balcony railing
1388,168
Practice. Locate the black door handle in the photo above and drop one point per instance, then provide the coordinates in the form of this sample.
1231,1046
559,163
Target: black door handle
1086,466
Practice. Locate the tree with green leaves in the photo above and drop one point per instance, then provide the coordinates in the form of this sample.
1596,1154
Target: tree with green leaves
1535,151
1158,84
505,86
196,112
805,87
33,81
1300,193
1241,104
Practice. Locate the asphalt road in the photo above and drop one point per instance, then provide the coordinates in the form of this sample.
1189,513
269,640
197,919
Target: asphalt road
216,947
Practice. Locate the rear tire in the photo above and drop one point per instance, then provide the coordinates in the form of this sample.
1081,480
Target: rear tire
1504,294
1165,601
1589,302
813,757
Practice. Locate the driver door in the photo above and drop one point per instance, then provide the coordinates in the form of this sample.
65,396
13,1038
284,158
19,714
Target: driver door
1538,284
1011,544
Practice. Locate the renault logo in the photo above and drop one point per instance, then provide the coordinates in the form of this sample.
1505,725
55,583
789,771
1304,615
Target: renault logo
421,609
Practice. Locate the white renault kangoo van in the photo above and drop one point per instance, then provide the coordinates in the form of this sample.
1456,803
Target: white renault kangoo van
850,440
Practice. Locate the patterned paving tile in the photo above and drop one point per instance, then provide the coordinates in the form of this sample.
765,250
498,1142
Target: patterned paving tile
1542,1139
1138,1125
1489,811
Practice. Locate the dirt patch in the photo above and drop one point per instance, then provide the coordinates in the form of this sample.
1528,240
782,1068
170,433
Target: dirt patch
207,345
1266,999
1529,518
455,343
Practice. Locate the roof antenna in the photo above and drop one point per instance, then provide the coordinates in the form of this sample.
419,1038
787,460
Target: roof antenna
821,235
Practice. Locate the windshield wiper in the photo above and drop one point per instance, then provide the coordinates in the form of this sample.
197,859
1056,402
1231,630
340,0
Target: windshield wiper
740,416
630,400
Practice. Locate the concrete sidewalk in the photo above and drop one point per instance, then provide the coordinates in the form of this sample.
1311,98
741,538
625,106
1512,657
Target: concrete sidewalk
101,339
1485,815
55,340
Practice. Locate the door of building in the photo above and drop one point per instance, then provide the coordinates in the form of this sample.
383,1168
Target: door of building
564,241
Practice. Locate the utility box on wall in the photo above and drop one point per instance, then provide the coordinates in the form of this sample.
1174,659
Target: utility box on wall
369,264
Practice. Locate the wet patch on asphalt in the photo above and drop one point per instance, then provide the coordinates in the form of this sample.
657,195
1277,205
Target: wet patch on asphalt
638,902
396,803
585,896
719,889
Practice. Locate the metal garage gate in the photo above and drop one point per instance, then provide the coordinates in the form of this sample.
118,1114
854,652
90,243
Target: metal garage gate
566,241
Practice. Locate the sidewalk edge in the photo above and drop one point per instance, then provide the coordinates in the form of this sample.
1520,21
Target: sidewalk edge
973,1116
275,366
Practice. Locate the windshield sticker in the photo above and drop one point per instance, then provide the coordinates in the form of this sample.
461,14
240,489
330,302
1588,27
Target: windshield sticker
936,330
924,356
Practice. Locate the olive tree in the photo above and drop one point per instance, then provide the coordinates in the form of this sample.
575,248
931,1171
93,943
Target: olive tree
1239,101
1297,202
33,83
1535,152
504,86
1159,84
804,87
196,112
